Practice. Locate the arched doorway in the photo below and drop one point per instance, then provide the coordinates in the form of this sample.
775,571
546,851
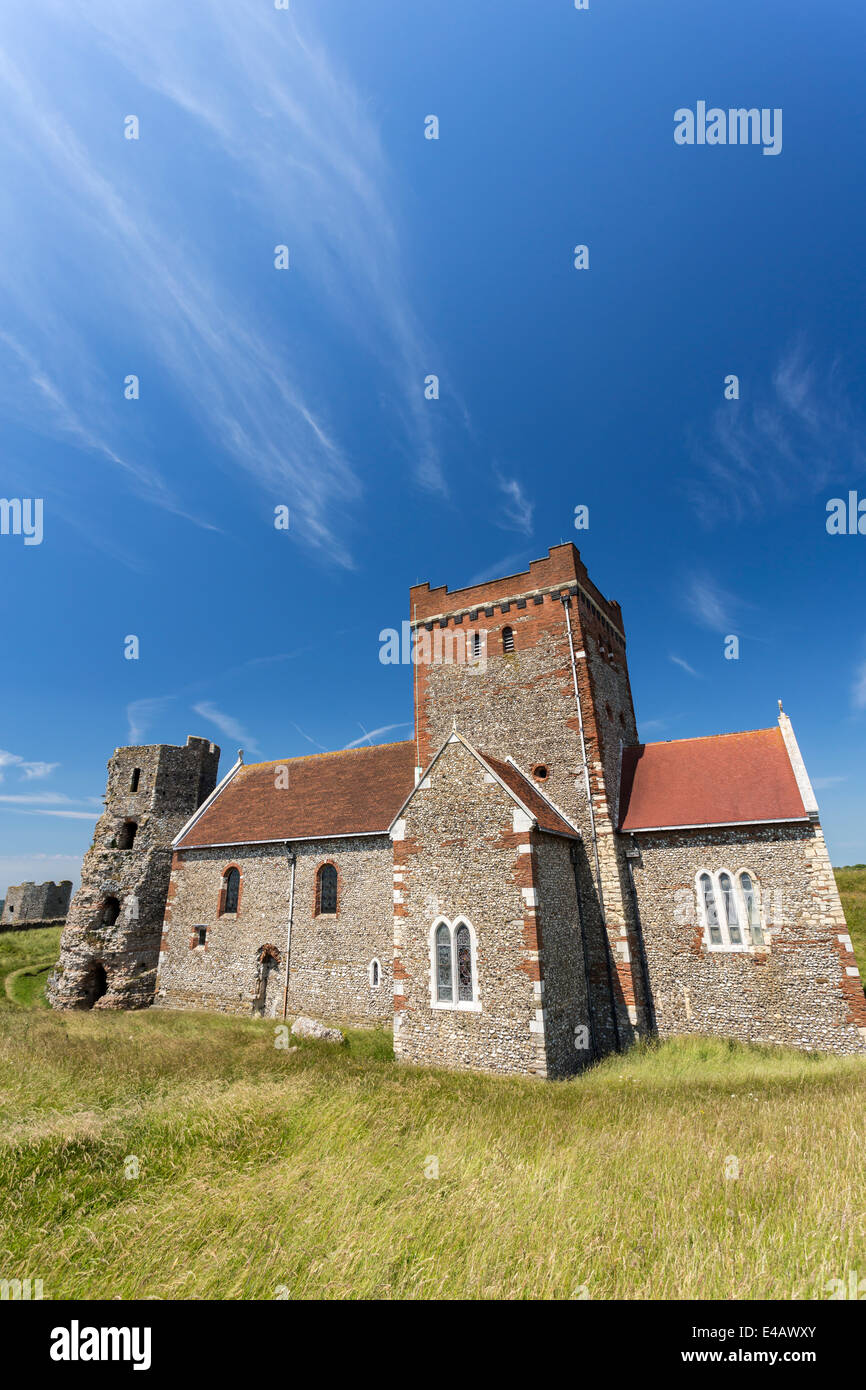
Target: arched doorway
268,959
93,985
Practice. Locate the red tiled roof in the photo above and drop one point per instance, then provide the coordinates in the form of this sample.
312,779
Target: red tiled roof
356,791
727,779
517,782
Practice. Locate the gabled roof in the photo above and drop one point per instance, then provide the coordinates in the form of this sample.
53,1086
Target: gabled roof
726,779
353,792
543,811
513,781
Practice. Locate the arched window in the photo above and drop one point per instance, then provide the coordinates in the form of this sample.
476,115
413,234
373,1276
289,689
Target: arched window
326,890
732,916
453,966
110,911
232,890
126,838
374,972
508,639
201,936
710,911
463,953
476,644
730,909
753,912
444,989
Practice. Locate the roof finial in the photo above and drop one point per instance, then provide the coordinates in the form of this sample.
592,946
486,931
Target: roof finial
781,711
240,755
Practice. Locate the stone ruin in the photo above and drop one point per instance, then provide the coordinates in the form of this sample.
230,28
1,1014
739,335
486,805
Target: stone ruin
35,905
109,950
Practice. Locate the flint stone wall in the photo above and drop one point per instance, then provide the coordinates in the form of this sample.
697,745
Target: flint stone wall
801,990
330,955
458,852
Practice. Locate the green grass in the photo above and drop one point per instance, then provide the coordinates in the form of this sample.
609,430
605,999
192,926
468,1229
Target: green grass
852,890
24,950
261,1169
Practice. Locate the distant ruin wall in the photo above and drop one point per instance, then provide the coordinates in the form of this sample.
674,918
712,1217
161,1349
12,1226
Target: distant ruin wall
29,905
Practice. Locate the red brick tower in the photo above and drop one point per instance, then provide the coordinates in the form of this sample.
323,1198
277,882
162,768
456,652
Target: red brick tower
545,632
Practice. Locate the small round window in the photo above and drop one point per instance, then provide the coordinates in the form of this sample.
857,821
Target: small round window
540,771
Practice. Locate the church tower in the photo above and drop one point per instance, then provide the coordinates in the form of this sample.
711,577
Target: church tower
549,687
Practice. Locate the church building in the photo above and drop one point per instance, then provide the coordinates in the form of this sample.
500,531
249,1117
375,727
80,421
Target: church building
522,887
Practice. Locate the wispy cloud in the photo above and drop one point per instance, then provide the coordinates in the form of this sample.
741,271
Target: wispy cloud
28,771
783,441
858,693
509,564
227,724
141,714
299,149
822,783
709,604
679,661
313,741
516,511
367,737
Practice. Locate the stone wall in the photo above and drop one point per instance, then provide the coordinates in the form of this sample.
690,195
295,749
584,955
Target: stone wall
35,905
330,955
110,945
570,1033
464,849
803,989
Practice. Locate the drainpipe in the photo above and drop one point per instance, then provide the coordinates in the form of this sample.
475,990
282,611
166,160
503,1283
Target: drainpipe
566,603
291,858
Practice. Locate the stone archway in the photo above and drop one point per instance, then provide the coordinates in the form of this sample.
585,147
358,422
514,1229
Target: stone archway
94,985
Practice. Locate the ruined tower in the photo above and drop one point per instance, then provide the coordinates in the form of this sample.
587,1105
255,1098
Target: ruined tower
552,690
110,945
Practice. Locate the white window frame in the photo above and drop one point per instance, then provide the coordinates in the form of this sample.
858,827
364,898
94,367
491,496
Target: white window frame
473,1005
747,945
375,984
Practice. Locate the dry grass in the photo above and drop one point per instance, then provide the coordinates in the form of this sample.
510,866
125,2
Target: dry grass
261,1168
264,1173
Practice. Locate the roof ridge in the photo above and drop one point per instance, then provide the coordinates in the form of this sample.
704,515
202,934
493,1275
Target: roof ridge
702,738
330,753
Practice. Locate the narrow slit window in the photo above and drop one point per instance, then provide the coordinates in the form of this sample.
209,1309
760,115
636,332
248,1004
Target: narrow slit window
233,890
134,780
508,639
327,893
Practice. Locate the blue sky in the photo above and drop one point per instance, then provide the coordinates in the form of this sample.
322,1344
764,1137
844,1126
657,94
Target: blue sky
305,387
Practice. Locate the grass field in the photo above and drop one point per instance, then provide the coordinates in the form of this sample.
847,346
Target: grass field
264,1173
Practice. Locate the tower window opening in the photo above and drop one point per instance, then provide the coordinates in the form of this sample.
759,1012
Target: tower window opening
134,780
126,838
508,639
110,911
